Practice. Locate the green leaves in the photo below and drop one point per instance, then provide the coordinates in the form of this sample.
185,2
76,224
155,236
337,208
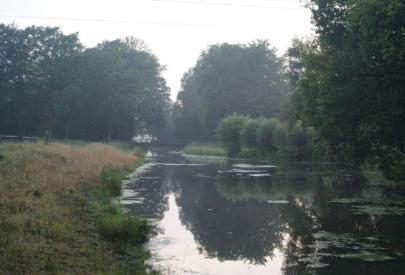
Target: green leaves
347,80
231,78
49,84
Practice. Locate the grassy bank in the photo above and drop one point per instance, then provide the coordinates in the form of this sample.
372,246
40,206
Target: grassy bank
57,212
245,153
204,149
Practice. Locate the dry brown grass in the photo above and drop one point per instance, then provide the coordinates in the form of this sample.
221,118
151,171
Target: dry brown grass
46,225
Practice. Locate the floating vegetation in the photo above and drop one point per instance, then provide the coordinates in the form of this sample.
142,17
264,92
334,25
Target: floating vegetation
241,171
180,164
346,246
260,175
277,201
132,201
252,166
394,206
348,200
378,210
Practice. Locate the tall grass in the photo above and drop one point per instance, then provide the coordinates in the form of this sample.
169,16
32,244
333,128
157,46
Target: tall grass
113,224
47,219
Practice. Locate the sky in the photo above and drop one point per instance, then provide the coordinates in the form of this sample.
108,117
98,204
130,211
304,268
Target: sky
175,30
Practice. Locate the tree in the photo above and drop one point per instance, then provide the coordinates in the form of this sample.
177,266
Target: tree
122,92
50,84
351,85
33,63
227,79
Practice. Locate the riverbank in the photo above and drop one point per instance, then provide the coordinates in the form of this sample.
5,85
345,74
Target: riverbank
204,150
284,156
58,213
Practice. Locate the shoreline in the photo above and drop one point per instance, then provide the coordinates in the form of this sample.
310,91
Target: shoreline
58,212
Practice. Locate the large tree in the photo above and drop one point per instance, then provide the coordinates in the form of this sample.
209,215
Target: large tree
50,84
121,90
349,81
227,79
33,64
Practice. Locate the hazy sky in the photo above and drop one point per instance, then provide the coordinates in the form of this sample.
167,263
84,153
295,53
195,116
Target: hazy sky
175,30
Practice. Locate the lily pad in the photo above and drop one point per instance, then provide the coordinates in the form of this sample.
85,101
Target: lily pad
252,166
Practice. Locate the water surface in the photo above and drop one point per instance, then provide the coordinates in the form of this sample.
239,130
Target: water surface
212,216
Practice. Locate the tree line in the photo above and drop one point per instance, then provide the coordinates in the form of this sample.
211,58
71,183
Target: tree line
347,84
344,86
50,85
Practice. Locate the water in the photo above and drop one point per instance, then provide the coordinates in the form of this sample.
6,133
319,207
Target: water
211,216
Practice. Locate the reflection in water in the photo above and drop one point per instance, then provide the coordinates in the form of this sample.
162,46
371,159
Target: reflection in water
299,220
176,249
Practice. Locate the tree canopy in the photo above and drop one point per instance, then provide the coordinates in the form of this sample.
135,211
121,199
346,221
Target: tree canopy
50,84
227,79
349,81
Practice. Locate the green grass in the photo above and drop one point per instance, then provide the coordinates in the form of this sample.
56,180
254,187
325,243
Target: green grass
111,180
58,214
204,149
113,224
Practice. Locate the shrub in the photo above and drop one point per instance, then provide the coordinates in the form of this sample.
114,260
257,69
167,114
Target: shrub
299,142
229,133
280,134
115,225
265,132
393,165
249,133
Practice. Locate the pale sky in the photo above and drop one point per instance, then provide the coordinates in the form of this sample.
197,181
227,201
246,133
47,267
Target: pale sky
175,30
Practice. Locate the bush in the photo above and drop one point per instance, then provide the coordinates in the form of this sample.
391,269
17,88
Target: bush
115,225
280,135
299,143
265,140
393,165
270,139
229,133
249,133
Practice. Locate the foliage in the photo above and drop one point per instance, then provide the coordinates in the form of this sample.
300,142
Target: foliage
111,179
275,139
229,78
265,134
50,85
114,225
33,65
229,133
249,133
349,80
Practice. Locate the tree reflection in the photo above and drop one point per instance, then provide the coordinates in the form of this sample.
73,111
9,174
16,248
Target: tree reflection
237,217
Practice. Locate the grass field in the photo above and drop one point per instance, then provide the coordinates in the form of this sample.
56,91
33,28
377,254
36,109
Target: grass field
53,221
